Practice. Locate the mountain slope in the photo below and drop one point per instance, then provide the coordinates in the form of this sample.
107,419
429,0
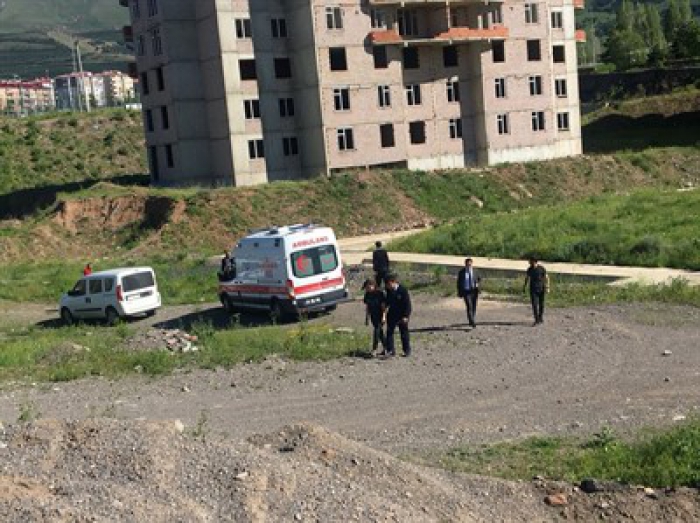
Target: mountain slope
35,36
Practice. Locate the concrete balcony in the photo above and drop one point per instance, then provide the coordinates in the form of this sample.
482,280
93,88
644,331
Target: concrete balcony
455,35
581,36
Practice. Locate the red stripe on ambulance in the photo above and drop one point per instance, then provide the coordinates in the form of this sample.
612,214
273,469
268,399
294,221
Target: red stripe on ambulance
304,289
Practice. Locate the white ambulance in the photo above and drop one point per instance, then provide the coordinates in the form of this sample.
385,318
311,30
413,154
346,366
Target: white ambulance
287,270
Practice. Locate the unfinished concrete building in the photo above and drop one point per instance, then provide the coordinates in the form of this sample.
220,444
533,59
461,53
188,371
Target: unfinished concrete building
249,91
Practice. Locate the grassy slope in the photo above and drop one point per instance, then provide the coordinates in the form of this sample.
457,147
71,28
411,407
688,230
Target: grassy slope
658,458
63,148
75,14
645,228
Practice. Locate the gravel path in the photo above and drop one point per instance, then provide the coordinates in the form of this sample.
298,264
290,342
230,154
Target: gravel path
583,369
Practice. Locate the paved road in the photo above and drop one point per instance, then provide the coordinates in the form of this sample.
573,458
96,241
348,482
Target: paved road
356,251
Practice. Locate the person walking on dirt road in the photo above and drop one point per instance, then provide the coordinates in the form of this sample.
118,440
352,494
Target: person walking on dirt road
380,264
538,279
375,303
468,281
399,311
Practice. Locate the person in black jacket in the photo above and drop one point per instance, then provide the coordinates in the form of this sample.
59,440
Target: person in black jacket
468,281
380,264
399,310
375,303
538,279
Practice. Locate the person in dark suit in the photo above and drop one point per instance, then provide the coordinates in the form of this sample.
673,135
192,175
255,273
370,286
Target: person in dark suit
399,310
380,264
468,281
375,306
538,279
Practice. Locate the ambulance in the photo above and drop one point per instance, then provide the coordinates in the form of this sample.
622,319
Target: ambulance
285,271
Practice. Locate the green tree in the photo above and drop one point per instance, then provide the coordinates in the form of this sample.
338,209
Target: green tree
686,43
654,36
672,19
686,12
625,16
626,49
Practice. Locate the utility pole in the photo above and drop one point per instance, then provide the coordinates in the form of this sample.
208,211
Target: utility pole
82,77
77,83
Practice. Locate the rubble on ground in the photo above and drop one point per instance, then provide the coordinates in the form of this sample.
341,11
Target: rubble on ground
173,340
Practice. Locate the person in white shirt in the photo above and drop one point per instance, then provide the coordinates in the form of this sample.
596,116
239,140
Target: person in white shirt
468,282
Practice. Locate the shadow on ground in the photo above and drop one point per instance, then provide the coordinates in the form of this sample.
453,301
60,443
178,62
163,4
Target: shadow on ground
617,132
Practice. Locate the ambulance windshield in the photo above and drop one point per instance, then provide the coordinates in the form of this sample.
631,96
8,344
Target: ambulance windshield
314,261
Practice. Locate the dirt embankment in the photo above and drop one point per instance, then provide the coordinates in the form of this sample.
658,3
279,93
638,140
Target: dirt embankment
159,471
116,213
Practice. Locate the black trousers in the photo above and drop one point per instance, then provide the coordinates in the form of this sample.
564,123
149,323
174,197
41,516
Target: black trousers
377,332
392,323
471,298
537,300
380,277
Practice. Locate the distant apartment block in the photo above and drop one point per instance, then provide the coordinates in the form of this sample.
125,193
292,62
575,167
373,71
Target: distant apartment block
249,91
79,91
119,88
18,97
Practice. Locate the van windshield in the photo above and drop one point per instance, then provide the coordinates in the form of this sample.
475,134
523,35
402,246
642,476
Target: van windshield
314,261
140,280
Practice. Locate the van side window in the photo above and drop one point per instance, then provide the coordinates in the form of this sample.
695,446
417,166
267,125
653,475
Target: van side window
109,284
95,286
80,288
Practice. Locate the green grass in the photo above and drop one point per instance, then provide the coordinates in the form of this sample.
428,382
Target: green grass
180,281
61,148
657,458
68,353
651,229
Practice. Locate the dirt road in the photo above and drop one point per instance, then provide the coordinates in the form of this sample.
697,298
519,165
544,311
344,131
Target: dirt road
582,369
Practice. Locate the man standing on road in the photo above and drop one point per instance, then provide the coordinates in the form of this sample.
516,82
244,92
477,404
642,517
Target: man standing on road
468,288
399,309
380,264
538,279
87,271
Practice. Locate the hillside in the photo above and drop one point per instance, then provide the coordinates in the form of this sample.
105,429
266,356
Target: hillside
139,223
34,34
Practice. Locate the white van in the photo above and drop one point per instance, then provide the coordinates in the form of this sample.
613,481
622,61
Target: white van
111,295
285,270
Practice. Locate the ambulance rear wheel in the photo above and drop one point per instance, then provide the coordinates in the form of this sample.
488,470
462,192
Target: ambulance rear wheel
276,312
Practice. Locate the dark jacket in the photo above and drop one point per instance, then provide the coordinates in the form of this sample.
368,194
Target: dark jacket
376,303
380,261
462,276
398,303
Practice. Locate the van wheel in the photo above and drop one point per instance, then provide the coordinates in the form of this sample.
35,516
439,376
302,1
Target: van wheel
112,316
228,304
150,314
66,316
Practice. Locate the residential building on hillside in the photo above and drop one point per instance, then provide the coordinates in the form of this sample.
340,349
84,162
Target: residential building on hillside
119,88
249,91
78,91
22,97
